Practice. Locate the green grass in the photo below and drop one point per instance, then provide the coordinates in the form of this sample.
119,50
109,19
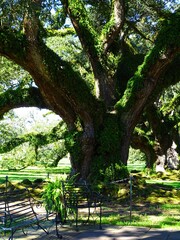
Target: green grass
161,221
170,206
32,173
155,202
136,167
168,183
144,215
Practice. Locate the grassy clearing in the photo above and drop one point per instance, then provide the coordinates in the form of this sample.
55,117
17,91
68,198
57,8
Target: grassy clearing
136,167
145,213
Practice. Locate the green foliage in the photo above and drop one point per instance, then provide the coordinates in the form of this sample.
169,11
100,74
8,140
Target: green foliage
12,76
100,12
170,103
51,154
20,157
34,137
136,157
53,197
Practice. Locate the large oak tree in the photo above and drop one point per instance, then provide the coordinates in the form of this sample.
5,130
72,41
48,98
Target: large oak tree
132,50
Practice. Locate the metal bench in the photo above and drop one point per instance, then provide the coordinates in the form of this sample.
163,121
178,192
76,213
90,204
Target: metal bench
16,212
79,198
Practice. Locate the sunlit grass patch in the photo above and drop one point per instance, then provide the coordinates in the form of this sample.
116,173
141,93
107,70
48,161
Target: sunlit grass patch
168,183
143,221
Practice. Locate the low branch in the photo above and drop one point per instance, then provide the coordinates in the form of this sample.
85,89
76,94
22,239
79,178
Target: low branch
27,97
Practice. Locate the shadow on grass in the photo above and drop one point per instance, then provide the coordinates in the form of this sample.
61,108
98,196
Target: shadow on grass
152,205
144,215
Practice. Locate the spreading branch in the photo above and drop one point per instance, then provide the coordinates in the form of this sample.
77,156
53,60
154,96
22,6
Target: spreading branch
141,86
132,25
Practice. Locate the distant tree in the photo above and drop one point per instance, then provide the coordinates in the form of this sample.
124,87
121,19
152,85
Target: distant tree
24,140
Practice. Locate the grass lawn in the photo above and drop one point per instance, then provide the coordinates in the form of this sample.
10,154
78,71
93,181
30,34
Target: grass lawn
32,173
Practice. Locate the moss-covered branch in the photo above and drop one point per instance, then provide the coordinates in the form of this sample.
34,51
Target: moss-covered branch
85,30
91,44
26,97
58,76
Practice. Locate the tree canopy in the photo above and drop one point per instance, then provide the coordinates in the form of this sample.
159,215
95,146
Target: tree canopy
113,60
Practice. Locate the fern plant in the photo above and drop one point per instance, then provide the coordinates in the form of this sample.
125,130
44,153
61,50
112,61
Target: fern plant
53,198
